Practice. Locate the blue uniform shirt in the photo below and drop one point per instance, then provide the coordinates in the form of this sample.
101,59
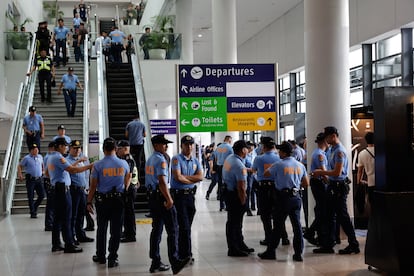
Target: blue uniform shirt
78,179
288,173
234,171
136,131
337,154
33,165
33,123
186,167
76,21
222,152
61,32
67,138
155,166
69,81
262,163
110,173
318,159
117,36
56,165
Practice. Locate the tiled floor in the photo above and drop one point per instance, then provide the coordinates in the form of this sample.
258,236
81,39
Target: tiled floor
25,250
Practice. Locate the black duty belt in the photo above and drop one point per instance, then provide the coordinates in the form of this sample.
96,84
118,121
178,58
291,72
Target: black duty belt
77,188
102,196
266,183
184,191
32,178
289,192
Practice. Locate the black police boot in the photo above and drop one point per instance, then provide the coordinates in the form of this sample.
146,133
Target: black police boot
72,249
323,250
155,267
113,263
349,250
97,259
267,255
297,258
179,265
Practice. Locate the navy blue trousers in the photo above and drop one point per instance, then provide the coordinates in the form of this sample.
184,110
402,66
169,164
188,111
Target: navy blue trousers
63,215
185,205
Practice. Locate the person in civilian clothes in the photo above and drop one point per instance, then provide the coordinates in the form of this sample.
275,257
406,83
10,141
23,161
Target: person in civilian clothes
235,179
129,234
366,163
289,176
77,190
222,152
58,169
34,127
69,83
32,164
337,193
49,212
162,209
266,189
186,173
251,199
109,179
212,160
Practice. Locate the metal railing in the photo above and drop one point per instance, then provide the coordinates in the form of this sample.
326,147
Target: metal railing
141,101
102,97
85,130
12,157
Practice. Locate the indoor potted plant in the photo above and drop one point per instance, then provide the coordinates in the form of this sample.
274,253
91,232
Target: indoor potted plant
19,41
157,42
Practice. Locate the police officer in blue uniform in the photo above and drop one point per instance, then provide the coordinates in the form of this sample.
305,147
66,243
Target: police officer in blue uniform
162,209
60,35
337,193
186,173
49,211
32,164
77,190
135,132
318,187
222,151
109,179
266,188
289,176
117,38
235,179
129,234
69,83
58,169
33,127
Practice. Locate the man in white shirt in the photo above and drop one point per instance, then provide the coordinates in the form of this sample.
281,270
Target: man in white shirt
366,162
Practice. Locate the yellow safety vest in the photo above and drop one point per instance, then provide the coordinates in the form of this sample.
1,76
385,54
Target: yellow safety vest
44,64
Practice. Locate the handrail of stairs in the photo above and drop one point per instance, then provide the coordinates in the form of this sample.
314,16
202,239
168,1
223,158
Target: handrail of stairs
102,97
141,100
85,130
12,157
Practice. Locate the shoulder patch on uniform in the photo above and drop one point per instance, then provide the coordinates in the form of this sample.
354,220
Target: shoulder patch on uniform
320,157
175,162
164,165
62,160
244,171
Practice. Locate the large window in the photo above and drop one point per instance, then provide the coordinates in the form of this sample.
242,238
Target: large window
284,95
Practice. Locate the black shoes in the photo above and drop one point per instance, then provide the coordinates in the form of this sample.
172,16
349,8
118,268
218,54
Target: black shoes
297,258
349,250
72,249
113,263
237,253
247,249
56,248
285,242
96,259
155,267
33,216
267,255
323,250
263,242
123,240
48,228
85,239
179,265
311,239
207,196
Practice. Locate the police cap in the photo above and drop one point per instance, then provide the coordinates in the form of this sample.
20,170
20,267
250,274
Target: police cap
61,141
160,139
187,139
286,147
75,144
122,143
61,127
32,108
33,146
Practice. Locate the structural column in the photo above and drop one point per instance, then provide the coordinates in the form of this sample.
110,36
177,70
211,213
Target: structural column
224,42
367,74
184,23
407,56
327,71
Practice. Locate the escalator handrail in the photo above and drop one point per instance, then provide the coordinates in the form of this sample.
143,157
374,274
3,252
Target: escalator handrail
102,97
85,130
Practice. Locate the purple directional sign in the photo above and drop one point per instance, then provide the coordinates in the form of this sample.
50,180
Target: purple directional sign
251,104
209,80
163,127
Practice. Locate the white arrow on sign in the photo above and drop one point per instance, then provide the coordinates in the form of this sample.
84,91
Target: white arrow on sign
269,103
184,88
184,105
184,73
185,122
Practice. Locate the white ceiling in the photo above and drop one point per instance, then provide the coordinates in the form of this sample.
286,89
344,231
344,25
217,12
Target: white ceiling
252,16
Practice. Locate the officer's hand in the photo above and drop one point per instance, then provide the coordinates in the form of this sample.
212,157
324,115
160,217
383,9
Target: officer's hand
20,177
42,136
59,92
169,204
316,173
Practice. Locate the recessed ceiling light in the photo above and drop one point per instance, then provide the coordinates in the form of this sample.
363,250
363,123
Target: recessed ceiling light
200,35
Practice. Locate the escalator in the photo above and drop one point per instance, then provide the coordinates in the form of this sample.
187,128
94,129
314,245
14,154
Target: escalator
122,107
